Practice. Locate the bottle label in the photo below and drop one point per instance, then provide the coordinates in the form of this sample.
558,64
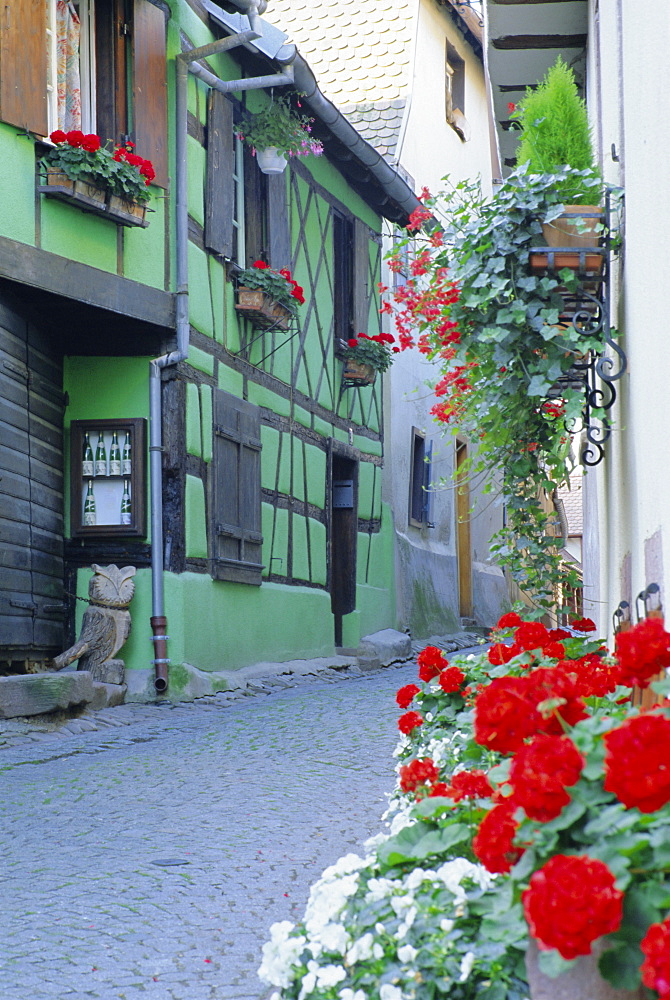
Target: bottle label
125,517
87,467
89,518
127,467
100,468
114,467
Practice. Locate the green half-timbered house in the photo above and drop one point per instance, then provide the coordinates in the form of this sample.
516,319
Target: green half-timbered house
250,478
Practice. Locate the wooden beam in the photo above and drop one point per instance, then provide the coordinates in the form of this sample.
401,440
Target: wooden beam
39,269
515,42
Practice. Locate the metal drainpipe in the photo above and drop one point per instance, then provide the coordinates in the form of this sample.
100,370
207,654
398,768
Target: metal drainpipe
185,62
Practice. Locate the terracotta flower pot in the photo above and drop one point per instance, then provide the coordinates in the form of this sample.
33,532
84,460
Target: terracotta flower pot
262,311
582,982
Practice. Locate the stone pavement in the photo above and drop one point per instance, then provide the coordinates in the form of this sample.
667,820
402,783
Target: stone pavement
252,794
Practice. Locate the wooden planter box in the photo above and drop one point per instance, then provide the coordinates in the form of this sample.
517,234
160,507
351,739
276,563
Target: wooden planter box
356,373
262,311
577,260
89,198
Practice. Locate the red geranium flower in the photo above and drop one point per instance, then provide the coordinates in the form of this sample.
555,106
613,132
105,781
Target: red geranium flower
58,136
470,785
451,679
556,698
655,969
554,650
353,341
493,842
642,652
530,635
510,620
570,902
540,772
499,654
406,694
417,773
637,762
431,661
557,634
260,264
91,143
75,138
583,625
504,717
409,721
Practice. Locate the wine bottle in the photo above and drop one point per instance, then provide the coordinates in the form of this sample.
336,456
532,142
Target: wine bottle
89,506
126,509
101,457
127,462
87,462
114,456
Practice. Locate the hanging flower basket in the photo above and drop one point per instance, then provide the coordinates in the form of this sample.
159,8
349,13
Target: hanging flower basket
261,310
271,160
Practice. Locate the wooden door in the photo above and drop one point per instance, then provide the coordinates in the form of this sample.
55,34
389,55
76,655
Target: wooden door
31,492
463,539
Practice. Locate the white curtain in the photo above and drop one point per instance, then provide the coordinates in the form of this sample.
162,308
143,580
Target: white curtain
67,53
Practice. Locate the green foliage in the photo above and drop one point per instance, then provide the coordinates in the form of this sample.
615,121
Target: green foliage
279,125
555,132
280,287
496,329
375,351
101,169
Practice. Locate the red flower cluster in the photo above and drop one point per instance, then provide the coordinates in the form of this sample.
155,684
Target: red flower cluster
432,662
510,620
583,625
540,772
405,695
90,142
553,409
593,677
381,338
451,679
417,304
511,709
655,969
570,902
417,219
469,785
409,721
642,652
493,843
145,167
637,762
499,654
297,291
418,773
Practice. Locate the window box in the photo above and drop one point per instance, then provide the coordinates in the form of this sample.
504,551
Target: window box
262,311
90,198
356,373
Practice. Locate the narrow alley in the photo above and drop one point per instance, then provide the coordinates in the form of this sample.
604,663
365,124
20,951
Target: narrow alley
247,799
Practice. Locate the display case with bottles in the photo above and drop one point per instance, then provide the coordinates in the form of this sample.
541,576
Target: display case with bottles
108,477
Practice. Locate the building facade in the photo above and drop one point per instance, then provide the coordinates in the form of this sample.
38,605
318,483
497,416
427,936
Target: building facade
236,437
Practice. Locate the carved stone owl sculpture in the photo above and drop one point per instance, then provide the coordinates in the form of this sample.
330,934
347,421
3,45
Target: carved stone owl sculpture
106,624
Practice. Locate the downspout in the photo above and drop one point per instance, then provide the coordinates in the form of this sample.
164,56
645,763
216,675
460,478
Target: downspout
185,62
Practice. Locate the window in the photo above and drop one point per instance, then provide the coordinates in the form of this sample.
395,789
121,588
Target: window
420,476
236,546
112,77
239,252
454,92
343,238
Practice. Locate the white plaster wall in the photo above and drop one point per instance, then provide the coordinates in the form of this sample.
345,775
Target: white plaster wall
628,505
429,149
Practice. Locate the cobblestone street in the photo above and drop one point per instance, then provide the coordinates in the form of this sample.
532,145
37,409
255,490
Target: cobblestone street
257,794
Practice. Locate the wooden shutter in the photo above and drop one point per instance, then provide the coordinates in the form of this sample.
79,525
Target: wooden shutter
361,278
220,190
279,237
150,86
236,503
23,65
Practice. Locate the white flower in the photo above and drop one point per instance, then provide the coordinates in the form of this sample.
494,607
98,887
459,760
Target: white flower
399,822
401,903
467,962
330,975
388,992
406,953
379,888
415,878
360,950
429,715
377,950
334,938
308,983
280,953
410,917
348,994
446,926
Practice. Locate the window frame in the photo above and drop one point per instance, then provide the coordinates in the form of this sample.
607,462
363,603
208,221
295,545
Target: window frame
418,514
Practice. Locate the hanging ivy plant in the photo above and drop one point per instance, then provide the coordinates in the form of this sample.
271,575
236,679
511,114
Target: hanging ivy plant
497,331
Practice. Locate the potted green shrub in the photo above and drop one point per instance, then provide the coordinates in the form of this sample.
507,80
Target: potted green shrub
555,133
365,356
278,131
